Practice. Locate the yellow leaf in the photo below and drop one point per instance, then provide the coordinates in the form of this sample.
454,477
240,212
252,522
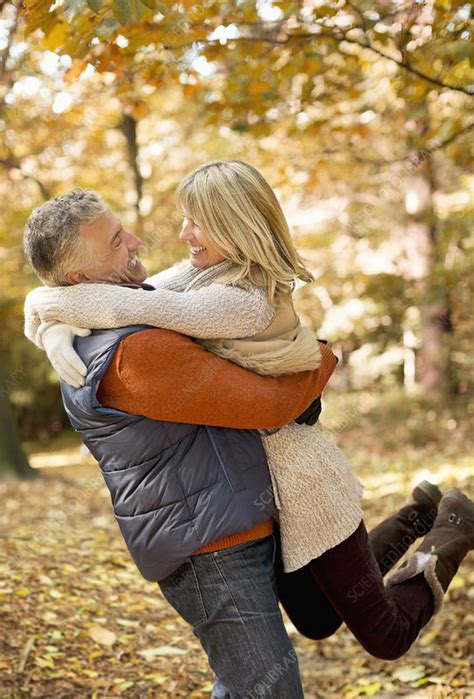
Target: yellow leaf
22,591
75,70
150,653
102,636
56,38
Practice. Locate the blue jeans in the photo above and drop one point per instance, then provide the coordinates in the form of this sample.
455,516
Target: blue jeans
229,598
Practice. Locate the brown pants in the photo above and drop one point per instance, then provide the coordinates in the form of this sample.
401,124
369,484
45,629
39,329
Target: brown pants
345,584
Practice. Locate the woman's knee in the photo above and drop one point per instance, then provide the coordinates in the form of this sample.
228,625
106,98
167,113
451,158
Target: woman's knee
317,631
386,649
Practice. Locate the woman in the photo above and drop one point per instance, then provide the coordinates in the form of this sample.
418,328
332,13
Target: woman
239,238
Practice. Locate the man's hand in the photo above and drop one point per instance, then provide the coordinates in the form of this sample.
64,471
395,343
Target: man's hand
57,340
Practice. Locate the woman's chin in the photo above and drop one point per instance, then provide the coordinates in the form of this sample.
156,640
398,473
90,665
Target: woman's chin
196,262
203,263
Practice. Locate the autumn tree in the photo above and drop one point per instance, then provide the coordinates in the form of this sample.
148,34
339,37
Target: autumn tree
358,114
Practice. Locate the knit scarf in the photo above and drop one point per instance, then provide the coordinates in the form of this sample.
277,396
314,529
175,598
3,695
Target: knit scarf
188,277
289,349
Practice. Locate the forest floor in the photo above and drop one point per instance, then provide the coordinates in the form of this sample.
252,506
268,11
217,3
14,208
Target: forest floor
77,619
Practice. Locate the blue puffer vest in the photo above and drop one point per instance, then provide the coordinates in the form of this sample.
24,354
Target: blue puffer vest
174,487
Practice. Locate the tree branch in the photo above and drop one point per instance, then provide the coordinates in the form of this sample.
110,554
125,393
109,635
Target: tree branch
6,52
410,68
337,35
427,148
13,163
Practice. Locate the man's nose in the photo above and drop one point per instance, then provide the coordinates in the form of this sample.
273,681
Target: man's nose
133,242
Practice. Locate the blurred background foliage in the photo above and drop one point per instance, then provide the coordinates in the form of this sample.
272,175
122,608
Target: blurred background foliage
358,113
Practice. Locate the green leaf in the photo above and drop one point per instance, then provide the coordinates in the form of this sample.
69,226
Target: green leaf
107,27
122,11
138,9
95,5
72,8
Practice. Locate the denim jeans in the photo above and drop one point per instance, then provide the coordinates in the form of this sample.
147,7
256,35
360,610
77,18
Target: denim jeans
229,598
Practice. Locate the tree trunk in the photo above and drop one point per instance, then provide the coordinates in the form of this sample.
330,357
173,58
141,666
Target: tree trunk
13,463
433,356
128,126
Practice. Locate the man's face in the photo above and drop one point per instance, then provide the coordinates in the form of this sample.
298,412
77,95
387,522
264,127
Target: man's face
112,251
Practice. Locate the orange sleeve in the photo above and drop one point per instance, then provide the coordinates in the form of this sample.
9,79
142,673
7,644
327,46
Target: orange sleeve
166,376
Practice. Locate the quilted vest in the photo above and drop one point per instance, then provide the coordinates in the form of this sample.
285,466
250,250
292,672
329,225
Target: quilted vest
174,487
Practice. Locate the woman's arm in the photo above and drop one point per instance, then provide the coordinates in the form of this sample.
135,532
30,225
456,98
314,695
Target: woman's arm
216,311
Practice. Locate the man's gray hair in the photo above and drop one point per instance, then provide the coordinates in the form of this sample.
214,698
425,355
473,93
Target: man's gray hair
52,241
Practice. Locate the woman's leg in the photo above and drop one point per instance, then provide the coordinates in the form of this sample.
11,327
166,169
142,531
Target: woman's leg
392,538
387,620
303,599
385,624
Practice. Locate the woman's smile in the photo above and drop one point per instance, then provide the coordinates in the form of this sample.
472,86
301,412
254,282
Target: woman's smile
202,256
195,250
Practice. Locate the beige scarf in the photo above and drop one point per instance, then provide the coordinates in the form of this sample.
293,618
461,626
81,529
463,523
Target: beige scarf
285,347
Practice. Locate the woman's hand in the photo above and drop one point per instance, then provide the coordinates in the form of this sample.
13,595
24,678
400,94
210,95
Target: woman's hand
57,340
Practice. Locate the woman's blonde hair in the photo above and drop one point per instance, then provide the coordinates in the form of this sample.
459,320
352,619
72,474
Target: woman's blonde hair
239,212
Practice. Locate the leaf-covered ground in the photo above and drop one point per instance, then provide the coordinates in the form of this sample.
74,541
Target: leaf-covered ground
77,620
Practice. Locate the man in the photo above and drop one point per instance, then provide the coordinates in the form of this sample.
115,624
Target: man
191,495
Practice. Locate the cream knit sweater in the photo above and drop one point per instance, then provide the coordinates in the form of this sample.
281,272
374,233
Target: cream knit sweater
316,493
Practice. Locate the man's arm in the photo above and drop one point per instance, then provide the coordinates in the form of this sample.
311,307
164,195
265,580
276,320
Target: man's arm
166,376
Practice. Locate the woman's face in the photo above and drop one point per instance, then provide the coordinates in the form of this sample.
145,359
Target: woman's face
203,252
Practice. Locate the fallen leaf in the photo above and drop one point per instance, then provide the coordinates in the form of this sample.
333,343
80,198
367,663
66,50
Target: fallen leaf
409,673
102,636
150,653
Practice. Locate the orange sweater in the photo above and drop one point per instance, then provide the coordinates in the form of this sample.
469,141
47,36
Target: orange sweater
166,376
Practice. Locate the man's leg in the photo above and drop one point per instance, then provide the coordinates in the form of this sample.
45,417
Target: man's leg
229,598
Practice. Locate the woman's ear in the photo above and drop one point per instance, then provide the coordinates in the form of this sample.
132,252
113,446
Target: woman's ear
76,278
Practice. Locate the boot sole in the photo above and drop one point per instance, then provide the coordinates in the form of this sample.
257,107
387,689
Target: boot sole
426,493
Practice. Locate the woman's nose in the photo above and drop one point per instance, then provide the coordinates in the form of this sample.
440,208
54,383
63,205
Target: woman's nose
185,233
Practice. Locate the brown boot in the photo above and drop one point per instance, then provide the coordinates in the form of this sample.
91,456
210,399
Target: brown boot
444,548
392,538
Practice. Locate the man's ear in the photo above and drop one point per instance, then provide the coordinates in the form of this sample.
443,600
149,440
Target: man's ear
76,278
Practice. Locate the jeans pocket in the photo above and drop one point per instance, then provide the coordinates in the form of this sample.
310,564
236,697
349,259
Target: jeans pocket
181,589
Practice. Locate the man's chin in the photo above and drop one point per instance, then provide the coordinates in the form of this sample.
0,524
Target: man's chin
136,276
